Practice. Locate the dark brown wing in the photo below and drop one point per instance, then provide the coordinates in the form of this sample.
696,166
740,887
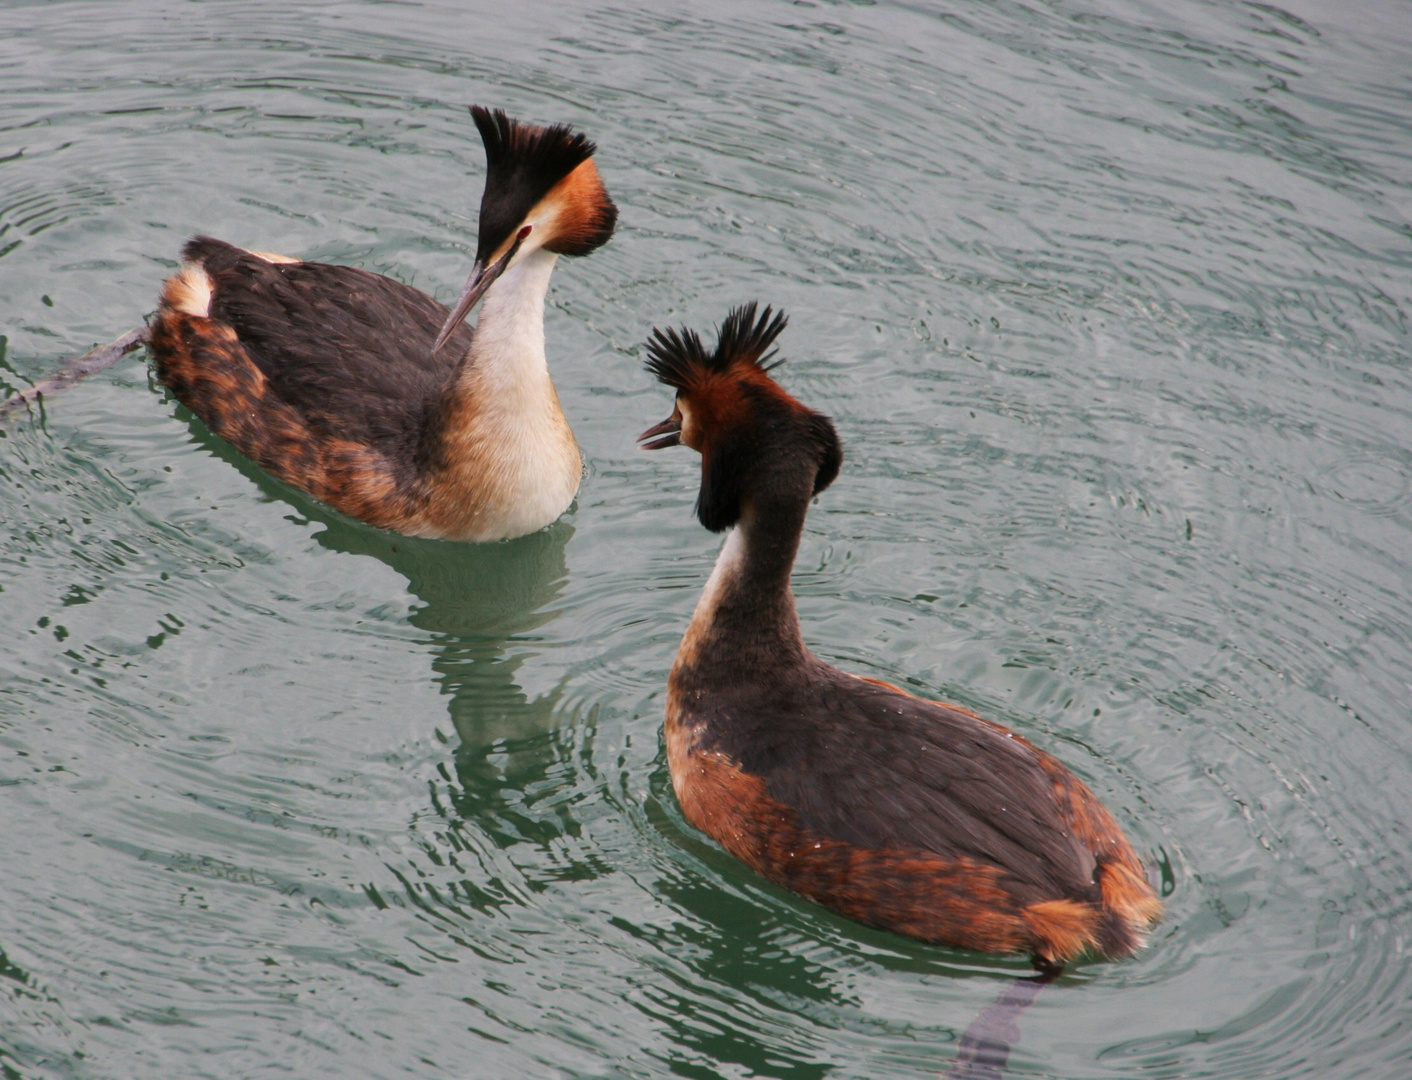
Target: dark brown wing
879,769
211,372
349,350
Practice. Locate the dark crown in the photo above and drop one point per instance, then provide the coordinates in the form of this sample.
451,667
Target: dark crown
553,151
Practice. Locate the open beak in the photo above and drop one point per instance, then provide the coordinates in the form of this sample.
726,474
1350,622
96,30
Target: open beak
482,278
658,436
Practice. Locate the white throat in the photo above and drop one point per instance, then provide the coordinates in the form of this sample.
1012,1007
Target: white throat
508,345
724,574
512,465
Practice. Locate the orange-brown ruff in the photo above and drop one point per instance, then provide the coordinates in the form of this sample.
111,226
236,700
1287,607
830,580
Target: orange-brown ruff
335,379
903,813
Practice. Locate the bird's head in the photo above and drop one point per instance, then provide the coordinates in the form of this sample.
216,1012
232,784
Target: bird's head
757,443
542,190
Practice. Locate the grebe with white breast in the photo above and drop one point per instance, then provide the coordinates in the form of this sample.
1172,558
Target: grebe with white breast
370,395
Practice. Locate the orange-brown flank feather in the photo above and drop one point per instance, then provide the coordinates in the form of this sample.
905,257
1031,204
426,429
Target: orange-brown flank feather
209,370
948,901
1123,885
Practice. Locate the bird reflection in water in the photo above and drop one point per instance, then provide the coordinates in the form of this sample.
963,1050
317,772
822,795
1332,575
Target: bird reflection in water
479,606
474,600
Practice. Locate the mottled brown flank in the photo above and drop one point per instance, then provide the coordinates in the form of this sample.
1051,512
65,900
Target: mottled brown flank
204,364
959,902
1063,930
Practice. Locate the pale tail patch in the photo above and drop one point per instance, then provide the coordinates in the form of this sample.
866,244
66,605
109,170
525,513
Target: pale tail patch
1066,928
189,291
1128,893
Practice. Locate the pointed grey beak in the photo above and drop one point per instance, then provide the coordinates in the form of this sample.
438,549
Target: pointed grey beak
482,278
667,433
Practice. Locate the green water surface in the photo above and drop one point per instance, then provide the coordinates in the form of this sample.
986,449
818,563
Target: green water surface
1109,300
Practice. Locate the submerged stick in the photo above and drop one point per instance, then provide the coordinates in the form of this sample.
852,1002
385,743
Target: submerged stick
76,370
985,1047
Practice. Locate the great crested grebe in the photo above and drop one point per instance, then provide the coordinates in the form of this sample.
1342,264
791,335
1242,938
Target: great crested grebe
907,814
336,380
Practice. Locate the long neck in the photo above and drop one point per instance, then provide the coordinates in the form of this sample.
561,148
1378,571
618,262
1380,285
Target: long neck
507,461
745,624
507,351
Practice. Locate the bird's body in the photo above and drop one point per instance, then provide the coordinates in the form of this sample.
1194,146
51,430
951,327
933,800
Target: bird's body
334,378
903,813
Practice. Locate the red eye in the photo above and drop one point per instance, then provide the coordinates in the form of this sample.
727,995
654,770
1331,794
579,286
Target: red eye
525,232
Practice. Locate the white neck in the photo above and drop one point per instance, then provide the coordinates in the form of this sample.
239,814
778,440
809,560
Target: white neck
508,346
512,465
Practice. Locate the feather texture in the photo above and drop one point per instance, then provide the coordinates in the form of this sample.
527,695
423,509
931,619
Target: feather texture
903,813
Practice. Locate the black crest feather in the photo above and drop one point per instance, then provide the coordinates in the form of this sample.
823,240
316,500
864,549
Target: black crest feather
744,338
558,148
523,163
676,357
673,356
